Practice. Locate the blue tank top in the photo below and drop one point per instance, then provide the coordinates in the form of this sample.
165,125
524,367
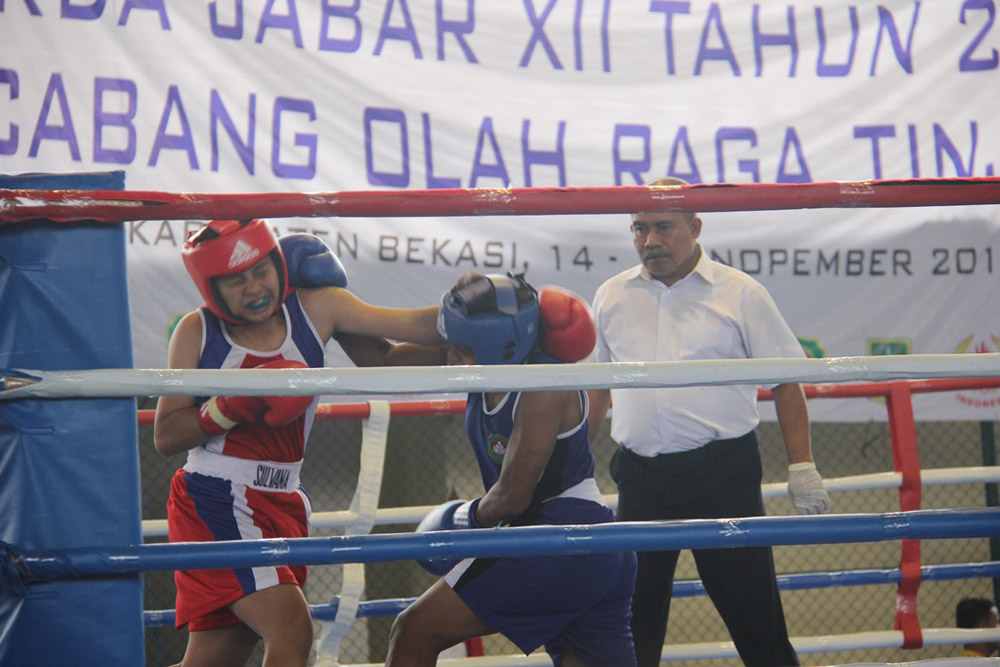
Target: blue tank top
571,461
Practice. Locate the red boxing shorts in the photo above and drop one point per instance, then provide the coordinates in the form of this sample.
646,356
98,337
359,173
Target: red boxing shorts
212,509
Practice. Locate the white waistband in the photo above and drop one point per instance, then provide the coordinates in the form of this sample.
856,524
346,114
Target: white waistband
585,490
263,475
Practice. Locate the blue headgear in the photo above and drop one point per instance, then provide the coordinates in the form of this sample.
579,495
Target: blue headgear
485,317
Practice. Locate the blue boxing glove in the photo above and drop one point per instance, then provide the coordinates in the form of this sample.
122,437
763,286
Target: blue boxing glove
453,515
310,262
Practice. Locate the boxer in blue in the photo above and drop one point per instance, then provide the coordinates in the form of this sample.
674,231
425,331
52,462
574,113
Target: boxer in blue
534,457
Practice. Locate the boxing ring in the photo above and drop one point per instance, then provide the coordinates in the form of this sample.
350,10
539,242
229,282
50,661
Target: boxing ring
52,572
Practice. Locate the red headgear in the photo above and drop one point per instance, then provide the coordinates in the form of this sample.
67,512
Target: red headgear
227,247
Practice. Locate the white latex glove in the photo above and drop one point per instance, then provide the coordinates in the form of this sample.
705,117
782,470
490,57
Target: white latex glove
805,486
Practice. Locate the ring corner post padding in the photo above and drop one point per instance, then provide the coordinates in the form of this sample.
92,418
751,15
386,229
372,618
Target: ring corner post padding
69,470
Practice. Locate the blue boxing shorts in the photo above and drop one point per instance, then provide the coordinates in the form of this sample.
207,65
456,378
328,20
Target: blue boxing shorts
580,602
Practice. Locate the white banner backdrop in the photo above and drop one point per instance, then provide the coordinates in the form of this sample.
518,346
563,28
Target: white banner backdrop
285,95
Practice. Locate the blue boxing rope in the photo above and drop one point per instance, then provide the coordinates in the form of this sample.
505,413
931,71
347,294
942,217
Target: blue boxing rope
164,618
10,571
682,589
797,582
520,541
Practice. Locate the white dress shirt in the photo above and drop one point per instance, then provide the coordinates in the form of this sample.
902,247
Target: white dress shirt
715,312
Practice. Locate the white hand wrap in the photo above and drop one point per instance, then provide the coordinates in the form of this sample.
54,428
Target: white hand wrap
805,487
465,515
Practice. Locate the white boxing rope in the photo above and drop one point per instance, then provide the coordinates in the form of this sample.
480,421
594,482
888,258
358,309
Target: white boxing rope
823,643
818,644
122,383
878,480
893,480
364,508
866,482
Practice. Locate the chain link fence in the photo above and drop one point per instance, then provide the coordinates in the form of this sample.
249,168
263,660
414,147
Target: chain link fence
428,461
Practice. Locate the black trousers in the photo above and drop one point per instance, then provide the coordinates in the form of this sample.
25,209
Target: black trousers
720,480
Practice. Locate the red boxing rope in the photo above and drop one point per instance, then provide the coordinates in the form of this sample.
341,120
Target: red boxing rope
117,206
412,408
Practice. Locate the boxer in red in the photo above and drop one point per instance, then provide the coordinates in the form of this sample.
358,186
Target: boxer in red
267,304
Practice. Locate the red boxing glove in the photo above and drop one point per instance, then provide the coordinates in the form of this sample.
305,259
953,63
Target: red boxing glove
570,334
281,410
221,413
